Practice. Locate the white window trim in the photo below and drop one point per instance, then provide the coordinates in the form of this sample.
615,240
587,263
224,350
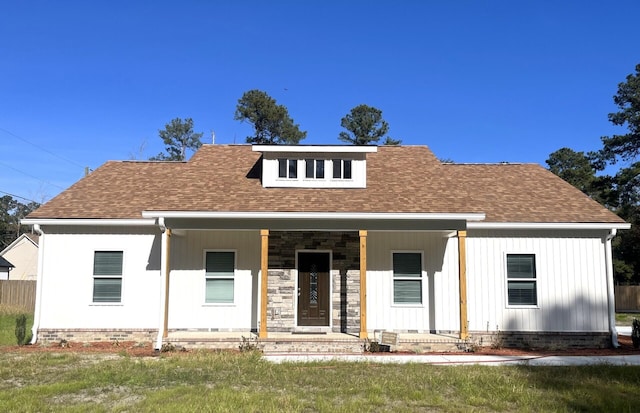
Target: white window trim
205,278
93,276
423,277
507,279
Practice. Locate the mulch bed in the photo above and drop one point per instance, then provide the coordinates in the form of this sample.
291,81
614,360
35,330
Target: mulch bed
134,349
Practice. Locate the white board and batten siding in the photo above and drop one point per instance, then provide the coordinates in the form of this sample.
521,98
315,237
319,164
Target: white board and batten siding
439,310
187,306
67,280
571,281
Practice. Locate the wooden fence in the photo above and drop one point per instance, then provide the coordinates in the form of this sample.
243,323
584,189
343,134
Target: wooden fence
18,293
627,298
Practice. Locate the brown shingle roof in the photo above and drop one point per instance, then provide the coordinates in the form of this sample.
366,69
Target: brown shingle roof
399,179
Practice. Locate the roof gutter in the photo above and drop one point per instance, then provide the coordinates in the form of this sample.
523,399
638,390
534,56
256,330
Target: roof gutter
88,221
548,225
315,215
39,282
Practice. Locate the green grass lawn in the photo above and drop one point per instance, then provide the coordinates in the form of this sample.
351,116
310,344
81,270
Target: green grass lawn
8,324
224,382
625,319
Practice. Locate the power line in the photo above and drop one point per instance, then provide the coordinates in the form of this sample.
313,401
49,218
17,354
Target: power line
18,196
34,177
41,148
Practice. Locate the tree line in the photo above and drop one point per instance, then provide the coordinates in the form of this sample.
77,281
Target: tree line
11,212
619,188
273,125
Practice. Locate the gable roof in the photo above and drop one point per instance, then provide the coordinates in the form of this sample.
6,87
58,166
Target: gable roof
32,238
400,179
5,264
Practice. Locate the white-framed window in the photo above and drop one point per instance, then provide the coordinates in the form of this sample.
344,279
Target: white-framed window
287,168
341,168
314,168
107,276
522,288
219,276
407,278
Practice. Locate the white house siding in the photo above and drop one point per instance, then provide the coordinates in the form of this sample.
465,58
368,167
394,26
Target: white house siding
67,280
440,309
570,269
187,307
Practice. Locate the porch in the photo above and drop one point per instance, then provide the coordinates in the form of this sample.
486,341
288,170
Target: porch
274,275
316,343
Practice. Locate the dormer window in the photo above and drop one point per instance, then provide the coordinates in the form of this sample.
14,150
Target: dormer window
341,168
287,168
299,166
315,168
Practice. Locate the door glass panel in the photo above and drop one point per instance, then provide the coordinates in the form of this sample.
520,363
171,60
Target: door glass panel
313,285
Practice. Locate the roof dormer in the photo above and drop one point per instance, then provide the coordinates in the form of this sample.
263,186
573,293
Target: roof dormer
298,166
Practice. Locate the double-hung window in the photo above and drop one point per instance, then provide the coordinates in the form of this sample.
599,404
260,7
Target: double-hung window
219,274
521,280
107,276
407,278
287,168
341,168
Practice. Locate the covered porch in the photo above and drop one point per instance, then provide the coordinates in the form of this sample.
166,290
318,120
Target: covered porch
285,241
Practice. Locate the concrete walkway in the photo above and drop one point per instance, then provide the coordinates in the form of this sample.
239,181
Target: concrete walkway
459,359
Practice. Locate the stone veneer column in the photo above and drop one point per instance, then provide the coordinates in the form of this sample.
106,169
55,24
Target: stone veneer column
264,270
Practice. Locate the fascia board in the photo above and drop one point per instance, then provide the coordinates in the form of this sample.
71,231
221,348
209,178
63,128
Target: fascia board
547,225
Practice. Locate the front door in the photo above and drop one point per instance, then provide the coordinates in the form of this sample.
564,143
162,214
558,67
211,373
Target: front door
313,288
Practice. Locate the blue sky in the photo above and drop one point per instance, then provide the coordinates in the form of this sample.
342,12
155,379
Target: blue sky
83,82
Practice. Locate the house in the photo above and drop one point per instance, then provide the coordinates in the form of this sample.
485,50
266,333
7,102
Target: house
5,267
23,253
342,240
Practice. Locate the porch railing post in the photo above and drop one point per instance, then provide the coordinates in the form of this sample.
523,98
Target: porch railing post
363,284
264,269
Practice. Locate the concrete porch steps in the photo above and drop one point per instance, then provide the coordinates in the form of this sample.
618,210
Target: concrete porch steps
331,343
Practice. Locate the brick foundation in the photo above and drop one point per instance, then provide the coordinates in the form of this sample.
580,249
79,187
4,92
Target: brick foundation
46,335
541,340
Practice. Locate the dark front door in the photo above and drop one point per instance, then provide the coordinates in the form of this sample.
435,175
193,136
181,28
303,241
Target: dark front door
313,288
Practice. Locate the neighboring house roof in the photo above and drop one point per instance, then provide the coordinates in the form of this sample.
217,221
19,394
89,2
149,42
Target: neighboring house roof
5,264
400,179
32,238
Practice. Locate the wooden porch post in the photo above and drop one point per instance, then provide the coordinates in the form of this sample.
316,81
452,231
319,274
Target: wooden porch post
363,284
167,268
264,269
462,275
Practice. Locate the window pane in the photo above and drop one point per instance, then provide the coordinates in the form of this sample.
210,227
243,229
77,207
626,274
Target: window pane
309,168
347,169
407,291
407,264
219,291
320,168
282,168
107,263
521,266
107,290
337,168
293,168
220,264
522,293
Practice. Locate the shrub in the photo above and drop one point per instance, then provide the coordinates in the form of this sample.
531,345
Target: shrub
248,344
21,329
635,333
